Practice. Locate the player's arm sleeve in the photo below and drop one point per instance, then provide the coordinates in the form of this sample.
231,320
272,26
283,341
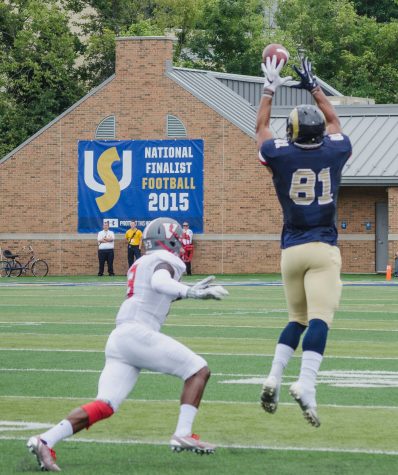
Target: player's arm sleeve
262,159
163,282
264,152
342,143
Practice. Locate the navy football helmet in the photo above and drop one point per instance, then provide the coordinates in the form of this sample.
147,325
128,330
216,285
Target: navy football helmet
306,125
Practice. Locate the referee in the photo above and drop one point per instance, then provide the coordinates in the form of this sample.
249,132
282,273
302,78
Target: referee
134,238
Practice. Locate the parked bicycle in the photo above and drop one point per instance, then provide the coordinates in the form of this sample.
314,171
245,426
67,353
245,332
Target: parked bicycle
11,267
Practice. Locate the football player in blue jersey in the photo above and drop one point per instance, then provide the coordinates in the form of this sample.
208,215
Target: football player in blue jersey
306,169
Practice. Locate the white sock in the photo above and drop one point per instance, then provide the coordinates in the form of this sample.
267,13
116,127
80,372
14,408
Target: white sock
185,420
59,432
283,353
310,363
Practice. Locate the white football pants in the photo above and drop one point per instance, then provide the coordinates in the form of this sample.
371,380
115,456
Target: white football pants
132,347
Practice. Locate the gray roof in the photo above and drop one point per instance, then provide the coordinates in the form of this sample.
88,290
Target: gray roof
251,87
373,129
217,96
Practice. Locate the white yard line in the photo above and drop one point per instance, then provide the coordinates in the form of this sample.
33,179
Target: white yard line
265,355
223,338
175,325
193,325
205,401
228,446
326,373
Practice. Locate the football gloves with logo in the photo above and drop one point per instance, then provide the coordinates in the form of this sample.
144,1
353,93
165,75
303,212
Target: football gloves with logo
216,292
271,72
307,79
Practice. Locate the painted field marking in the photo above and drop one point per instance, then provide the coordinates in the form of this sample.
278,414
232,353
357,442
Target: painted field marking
18,425
205,401
219,281
341,379
229,446
255,355
184,325
204,338
335,378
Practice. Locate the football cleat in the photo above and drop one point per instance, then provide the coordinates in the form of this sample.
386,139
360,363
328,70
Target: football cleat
306,400
270,395
45,456
191,443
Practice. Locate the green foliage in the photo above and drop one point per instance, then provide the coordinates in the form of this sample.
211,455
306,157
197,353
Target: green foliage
38,80
229,37
143,27
103,21
180,17
353,53
381,10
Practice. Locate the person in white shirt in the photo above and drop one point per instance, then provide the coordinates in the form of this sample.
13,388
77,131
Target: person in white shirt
136,343
106,244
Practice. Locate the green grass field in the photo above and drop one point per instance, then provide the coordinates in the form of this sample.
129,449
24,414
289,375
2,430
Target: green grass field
51,353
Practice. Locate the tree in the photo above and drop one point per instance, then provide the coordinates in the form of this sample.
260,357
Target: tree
354,53
38,80
229,37
103,21
382,10
180,17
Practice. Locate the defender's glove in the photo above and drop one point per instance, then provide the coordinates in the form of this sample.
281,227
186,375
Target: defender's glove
203,284
271,72
217,292
307,79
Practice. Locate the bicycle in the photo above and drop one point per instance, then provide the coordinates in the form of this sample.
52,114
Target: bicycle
11,267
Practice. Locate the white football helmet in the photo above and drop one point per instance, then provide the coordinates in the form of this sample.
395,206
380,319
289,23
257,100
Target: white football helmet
163,234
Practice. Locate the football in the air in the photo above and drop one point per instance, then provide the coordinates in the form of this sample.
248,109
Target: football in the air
277,50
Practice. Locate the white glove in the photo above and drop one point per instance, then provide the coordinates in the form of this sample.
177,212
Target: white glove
216,292
271,72
203,284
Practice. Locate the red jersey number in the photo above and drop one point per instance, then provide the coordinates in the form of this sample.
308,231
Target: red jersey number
130,281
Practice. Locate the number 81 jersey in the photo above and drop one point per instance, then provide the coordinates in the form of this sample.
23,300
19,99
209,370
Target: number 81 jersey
307,182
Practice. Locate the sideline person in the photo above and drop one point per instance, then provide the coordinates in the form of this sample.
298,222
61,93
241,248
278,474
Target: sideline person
136,343
306,169
106,245
187,246
134,238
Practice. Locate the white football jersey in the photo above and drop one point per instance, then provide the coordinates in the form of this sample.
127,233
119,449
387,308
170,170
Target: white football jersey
144,304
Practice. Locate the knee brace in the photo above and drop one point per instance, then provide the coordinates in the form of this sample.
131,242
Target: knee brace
96,411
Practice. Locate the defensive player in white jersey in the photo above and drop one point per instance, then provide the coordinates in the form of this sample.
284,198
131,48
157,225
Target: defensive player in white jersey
135,344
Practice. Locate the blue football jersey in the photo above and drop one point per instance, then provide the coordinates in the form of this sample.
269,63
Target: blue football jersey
307,182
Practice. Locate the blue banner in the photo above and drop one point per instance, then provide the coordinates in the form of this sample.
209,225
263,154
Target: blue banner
139,179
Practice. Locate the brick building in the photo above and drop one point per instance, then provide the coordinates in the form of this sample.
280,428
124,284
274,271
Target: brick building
148,98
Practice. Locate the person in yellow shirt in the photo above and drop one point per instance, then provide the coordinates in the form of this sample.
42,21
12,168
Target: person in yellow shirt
134,239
